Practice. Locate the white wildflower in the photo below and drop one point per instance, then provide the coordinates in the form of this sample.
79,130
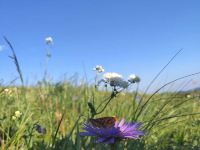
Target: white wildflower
49,40
6,90
188,96
98,69
115,80
133,78
14,117
18,114
111,76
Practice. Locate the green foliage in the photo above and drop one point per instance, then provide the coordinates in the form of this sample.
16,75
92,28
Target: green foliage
170,120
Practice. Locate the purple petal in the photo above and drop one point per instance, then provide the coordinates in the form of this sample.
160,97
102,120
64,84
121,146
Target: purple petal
100,140
121,123
110,141
121,130
86,134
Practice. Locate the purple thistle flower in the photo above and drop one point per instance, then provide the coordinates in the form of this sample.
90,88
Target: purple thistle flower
121,130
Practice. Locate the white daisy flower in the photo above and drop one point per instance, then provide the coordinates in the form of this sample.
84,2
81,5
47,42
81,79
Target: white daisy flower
49,40
98,69
133,78
112,76
115,79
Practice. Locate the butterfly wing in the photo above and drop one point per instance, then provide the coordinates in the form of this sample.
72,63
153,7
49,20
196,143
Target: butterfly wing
104,122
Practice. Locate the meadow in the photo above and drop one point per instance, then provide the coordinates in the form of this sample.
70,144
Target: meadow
51,115
176,126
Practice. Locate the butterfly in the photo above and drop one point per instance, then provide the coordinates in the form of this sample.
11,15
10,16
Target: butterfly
104,122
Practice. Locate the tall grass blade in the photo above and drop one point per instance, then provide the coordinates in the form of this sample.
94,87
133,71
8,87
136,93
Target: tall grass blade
14,58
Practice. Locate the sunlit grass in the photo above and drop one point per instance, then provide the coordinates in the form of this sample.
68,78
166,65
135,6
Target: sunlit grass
45,106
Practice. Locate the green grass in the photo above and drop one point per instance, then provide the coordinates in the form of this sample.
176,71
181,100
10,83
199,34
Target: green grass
170,120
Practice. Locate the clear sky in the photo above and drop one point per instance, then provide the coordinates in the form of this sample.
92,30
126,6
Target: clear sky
124,36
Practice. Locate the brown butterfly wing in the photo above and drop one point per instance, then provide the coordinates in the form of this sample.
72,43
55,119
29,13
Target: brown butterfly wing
104,122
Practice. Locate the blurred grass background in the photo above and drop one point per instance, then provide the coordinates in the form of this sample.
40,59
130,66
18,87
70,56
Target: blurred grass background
45,103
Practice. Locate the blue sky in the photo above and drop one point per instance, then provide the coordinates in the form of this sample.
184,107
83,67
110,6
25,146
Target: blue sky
123,36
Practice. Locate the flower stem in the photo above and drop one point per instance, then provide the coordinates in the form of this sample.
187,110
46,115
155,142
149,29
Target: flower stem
113,147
